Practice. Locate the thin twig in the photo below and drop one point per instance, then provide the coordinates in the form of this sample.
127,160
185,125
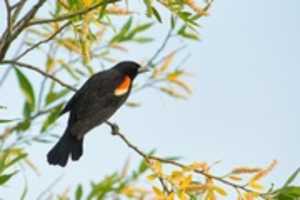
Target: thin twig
6,41
8,130
19,49
36,69
26,19
49,187
160,49
71,15
17,9
8,14
43,41
163,184
116,132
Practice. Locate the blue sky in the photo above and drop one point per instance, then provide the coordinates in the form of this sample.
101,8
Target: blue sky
244,111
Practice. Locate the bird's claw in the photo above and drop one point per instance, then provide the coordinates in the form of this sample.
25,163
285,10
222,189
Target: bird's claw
114,129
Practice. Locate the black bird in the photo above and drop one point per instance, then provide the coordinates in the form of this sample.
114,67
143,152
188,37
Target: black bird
94,103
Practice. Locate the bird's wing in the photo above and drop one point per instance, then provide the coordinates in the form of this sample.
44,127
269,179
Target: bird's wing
94,81
96,104
71,102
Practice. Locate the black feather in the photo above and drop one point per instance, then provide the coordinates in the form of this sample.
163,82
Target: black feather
67,146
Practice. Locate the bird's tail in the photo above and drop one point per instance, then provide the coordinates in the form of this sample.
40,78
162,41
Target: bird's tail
66,146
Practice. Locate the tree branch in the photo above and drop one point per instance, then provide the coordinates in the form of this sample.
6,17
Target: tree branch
6,40
116,132
36,69
43,41
71,15
8,13
17,9
160,49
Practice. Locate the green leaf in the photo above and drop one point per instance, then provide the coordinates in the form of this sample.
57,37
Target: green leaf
24,193
6,120
148,4
15,160
184,15
124,30
143,167
156,14
26,88
101,189
141,28
6,177
74,4
291,178
102,11
26,110
70,71
184,33
142,39
172,22
173,158
79,192
24,125
288,193
42,140
52,117
54,96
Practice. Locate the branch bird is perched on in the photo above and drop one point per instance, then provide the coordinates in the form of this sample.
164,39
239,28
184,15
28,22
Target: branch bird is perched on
94,103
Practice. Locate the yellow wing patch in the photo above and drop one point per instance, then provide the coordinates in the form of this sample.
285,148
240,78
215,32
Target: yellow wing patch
123,87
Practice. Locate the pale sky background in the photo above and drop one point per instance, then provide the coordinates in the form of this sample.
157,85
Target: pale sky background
244,111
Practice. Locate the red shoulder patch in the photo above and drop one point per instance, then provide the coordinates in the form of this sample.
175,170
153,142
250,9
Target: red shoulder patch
123,87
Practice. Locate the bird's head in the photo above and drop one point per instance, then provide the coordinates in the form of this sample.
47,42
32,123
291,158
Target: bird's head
130,68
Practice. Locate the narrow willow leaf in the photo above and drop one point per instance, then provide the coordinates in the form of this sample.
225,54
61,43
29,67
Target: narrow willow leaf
138,29
50,63
79,192
54,96
142,28
123,32
165,65
172,22
148,4
133,104
3,121
89,69
292,178
87,3
185,86
102,11
26,89
23,126
220,191
142,39
74,4
27,110
156,14
52,117
186,34
16,159
69,69
70,44
6,177
172,93
24,193
288,193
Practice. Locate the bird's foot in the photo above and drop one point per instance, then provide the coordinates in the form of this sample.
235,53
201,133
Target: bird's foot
115,129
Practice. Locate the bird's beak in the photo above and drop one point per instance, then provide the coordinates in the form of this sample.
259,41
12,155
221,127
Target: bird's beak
143,70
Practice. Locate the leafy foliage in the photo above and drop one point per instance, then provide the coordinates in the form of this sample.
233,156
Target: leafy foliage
74,37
